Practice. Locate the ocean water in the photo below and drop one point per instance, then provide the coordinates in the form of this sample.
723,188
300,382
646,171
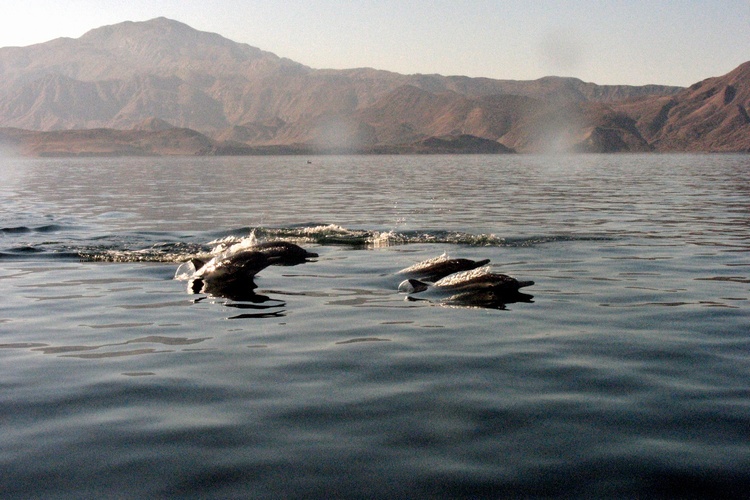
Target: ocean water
626,374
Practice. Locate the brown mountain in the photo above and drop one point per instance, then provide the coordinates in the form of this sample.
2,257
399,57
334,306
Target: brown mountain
163,77
711,115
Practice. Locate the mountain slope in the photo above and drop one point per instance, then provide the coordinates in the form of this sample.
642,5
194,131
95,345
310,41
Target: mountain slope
712,115
118,76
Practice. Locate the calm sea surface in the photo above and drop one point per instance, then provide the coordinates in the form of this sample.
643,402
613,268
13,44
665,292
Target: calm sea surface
626,375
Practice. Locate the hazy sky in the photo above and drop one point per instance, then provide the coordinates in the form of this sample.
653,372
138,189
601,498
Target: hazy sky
676,42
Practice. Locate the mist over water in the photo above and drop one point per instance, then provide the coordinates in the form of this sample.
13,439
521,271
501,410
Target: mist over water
624,375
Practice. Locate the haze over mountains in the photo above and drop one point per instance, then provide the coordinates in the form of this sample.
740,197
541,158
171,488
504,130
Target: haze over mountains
155,79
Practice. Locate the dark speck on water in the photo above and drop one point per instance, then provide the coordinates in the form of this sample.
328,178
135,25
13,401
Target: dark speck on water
623,373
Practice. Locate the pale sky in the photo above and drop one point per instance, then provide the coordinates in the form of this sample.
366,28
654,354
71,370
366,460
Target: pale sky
671,42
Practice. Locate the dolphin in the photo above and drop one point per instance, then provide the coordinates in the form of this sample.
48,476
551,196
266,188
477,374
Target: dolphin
283,253
481,279
476,287
440,267
235,268
231,266
240,260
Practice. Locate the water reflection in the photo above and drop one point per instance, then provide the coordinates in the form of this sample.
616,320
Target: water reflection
242,296
482,300
110,350
244,290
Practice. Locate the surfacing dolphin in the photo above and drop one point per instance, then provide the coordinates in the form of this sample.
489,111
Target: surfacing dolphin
480,279
477,287
233,269
440,267
283,253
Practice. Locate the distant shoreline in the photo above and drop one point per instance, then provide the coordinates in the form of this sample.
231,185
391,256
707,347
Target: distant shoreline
182,142
187,142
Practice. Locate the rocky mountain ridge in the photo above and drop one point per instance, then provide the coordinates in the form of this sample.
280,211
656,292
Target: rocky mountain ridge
163,76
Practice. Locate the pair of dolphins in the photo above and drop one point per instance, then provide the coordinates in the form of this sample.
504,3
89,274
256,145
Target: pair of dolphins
463,282
455,281
231,272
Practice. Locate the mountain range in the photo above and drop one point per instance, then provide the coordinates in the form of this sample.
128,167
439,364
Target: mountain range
162,87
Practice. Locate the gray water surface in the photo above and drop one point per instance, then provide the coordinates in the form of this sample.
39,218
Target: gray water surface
626,374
